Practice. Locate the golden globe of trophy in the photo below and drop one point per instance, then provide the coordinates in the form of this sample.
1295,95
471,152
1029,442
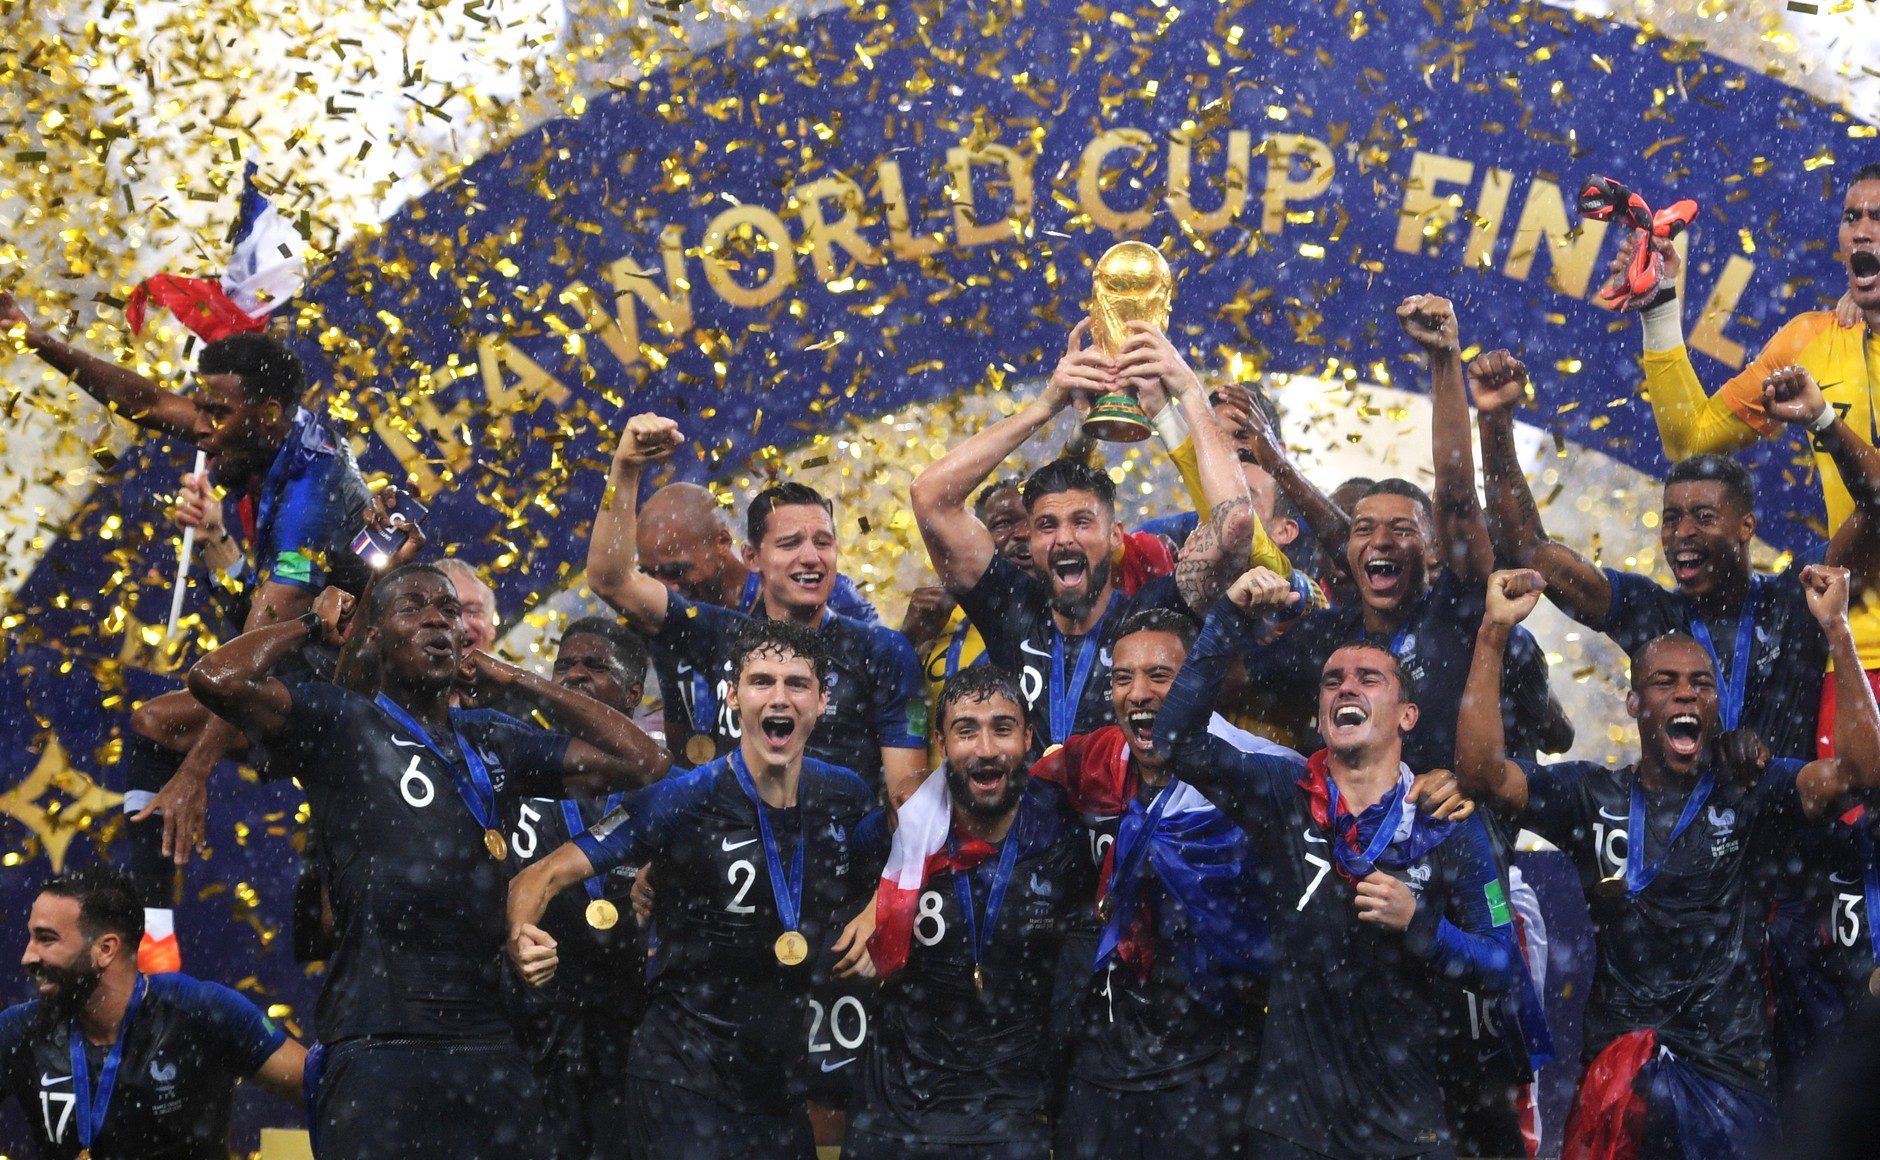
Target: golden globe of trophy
1132,284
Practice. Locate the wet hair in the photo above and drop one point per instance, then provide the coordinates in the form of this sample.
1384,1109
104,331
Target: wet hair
981,682
1062,475
270,373
1406,684
1738,484
1170,620
108,901
984,499
630,648
783,638
757,519
1642,653
1408,490
1867,172
375,600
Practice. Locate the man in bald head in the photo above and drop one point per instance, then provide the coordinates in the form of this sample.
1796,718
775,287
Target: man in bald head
685,542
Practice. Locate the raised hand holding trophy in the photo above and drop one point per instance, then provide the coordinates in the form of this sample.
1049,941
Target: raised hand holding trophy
1133,283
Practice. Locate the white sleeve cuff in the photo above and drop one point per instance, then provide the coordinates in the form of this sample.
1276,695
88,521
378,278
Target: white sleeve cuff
1663,326
1170,425
234,571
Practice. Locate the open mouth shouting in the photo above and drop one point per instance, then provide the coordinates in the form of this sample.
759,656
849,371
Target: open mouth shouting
1684,735
1139,725
1688,564
777,728
986,779
1070,571
1383,575
1863,270
1349,715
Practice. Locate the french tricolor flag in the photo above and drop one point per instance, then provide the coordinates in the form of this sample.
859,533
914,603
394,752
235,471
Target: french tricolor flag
269,267
922,825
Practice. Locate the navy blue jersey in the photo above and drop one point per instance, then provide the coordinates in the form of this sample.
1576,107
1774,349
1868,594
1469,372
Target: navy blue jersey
1350,1049
1175,527
845,599
1685,955
1012,611
186,1047
723,1017
877,699
948,1063
598,968
418,903
1788,651
1836,898
1434,646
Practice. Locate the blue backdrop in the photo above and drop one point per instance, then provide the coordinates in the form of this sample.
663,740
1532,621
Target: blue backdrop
896,203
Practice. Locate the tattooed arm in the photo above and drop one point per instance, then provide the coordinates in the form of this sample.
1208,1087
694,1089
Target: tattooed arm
1498,381
1215,553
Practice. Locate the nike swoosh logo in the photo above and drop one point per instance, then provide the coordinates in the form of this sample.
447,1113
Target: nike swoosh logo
1611,817
1312,837
727,845
1837,879
1026,646
407,744
841,1063
47,1080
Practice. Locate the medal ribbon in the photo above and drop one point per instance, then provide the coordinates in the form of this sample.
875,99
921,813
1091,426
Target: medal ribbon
476,790
979,935
91,1108
1066,696
1350,861
571,814
788,893
957,645
1736,682
1639,873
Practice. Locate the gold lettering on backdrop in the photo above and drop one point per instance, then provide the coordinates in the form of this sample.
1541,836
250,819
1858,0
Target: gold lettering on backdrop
1427,211
970,226
738,224
1285,152
1708,335
619,329
1485,228
1234,182
1090,181
1572,241
902,240
822,234
503,402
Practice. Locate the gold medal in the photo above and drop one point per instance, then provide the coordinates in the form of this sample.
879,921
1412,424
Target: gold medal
979,978
1873,982
1104,907
494,843
602,914
792,948
1611,886
699,748
84,1154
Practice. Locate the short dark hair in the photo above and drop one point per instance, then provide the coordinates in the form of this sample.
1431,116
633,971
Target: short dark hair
1170,620
1062,475
630,648
757,519
984,499
1405,488
269,371
1406,684
981,682
375,600
783,637
1636,659
1867,172
107,901
1738,484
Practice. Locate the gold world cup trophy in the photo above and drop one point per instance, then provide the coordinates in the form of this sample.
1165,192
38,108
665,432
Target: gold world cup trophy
1132,284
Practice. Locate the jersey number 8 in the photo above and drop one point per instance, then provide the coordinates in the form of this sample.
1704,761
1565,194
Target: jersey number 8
929,909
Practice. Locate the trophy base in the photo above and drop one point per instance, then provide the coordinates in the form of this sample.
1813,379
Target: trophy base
1117,418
